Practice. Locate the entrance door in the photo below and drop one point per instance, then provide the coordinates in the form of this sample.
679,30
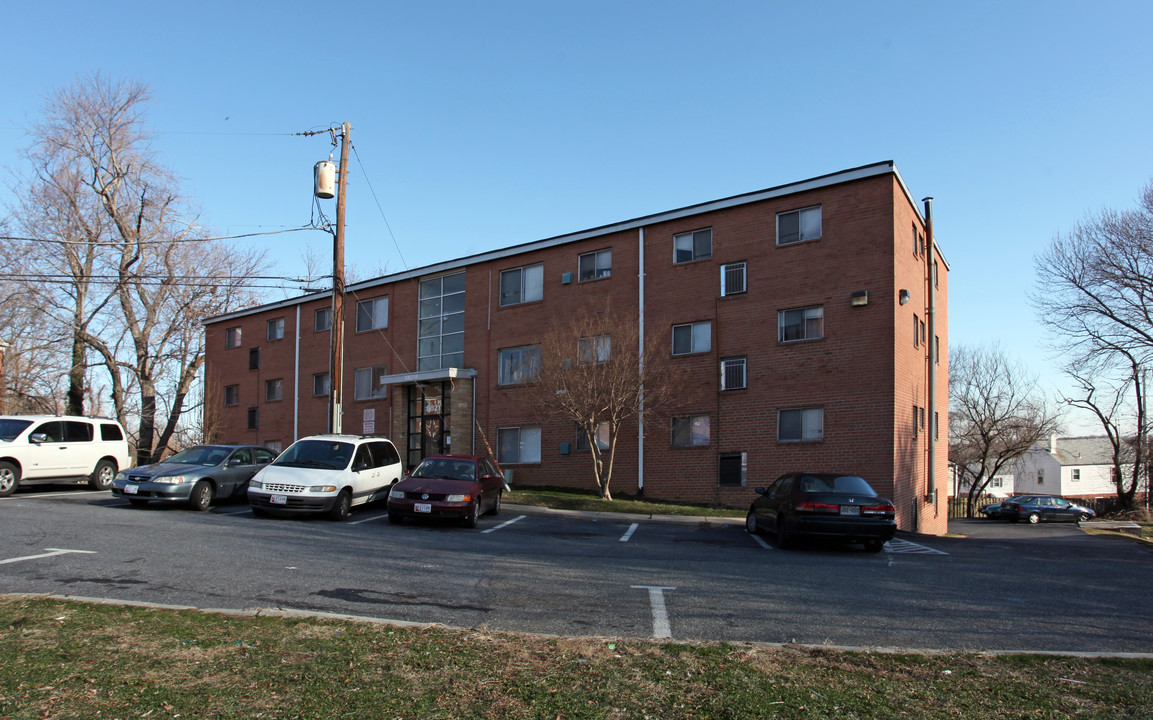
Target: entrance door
429,425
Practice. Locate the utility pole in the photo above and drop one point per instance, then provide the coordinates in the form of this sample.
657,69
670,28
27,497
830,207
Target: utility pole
336,376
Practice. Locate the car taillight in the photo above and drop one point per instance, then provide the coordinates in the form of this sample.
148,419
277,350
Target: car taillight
885,509
817,507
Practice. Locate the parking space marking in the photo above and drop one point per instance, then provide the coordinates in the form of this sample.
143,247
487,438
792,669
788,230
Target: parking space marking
76,493
368,519
245,511
51,552
660,614
761,541
896,545
504,524
629,533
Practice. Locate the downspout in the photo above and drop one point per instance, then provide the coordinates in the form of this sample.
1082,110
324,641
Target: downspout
931,340
641,362
296,381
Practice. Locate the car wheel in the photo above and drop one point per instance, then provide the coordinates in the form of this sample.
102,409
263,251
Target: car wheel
473,515
875,546
138,503
1082,517
751,524
496,503
200,499
784,537
1033,518
101,478
395,518
342,507
9,479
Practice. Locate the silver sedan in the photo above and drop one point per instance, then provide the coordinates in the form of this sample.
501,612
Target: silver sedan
195,476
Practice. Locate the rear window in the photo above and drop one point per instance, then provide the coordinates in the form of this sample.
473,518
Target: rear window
110,432
848,484
10,428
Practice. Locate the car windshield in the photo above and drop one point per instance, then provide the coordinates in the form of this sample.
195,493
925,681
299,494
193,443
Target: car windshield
200,455
321,454
10,428
444,468
848,484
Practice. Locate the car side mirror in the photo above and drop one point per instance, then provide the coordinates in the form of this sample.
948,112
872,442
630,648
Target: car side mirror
38,438
235,461
760,491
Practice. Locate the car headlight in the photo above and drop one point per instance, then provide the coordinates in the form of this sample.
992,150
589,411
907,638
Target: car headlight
459,498
396,494
170,480
121,476
322,488
254,483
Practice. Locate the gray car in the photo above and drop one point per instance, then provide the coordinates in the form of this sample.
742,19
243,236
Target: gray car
196,476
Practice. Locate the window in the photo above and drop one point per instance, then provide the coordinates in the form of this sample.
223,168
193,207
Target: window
799,225
998,482
321,384
733,373
801,324
368,383
521,285
276,446
922,331
594,350
322,319
276,329
915,414
254,359
916,331
273,390
595,265
734,278
232,337
602,435
253,418
936,423
518,445
694,245
519,365
440,329
110,432
690,431
1040,477
692,338
733,469
1076,474
916,241
372,314
231,395
801,425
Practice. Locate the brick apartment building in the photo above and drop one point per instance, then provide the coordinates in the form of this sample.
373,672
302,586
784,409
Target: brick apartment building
801,315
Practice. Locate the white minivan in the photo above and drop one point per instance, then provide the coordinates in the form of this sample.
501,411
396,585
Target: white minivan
327,474
37,449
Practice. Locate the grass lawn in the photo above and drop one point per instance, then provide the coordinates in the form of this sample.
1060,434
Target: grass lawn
565,499
64,659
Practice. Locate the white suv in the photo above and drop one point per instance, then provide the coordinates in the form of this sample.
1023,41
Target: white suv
326,474
53,448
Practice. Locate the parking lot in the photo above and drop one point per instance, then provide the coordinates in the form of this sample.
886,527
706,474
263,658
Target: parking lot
1004,587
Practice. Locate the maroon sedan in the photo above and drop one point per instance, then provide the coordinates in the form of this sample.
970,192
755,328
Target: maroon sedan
448,486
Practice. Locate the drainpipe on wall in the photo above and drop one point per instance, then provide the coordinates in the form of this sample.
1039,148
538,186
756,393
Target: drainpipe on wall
641,364
931,340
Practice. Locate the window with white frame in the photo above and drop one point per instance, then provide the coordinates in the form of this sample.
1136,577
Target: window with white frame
372,314
368,383
594,350
690,431
799,225
734,278
321,384
231,395
232,337
695,245
806,323
518,365
733,376
518,445
276,329
276,446
602,436
594,265
691,338
1076,474
733,469
521,285
273,390
322,319
440,329
1040,477
801,424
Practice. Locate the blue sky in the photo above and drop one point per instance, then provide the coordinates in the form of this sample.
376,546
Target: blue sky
482,125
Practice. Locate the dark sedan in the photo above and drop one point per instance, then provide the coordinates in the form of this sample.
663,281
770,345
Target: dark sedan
449,486
1044,508
823,505
195,476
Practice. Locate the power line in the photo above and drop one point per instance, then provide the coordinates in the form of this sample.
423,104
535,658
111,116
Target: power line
58,241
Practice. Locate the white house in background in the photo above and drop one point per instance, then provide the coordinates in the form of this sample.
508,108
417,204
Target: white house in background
1079,467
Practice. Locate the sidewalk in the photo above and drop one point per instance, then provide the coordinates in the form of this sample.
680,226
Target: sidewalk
698,520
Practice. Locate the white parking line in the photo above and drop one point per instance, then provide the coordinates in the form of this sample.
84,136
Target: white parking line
761,541
660,614
897,545
61,494
368,519
504,524
51,552
245,511
629,533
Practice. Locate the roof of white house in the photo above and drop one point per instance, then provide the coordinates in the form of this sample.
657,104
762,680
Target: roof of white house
1095,450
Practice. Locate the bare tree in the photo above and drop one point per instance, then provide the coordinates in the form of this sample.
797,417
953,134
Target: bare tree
1095,293
594,373
995,416
128,270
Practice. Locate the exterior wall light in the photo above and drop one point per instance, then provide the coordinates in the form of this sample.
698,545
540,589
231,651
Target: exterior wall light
904,296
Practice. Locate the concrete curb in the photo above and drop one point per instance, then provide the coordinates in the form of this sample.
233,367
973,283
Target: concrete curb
595,516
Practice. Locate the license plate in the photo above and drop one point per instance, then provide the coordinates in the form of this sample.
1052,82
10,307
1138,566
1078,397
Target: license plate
278,499
850,510
131,489
422,507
